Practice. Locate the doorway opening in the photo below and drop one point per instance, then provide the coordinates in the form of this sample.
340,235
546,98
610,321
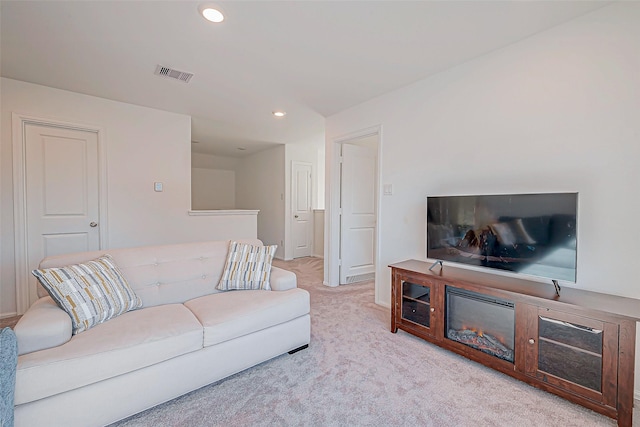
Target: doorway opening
353,232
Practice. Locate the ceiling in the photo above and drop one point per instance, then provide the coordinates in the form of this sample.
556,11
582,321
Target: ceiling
309,58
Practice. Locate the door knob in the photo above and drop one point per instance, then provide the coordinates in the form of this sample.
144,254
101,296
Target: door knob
93,224
295,216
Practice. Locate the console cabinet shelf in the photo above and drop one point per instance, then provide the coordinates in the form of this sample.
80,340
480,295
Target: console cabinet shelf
580,345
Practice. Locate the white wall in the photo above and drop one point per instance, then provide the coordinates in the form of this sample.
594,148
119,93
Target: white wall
7,297
213,189
318,233
213,181
210,161
142,146
260,184
263,181
559,111
320,178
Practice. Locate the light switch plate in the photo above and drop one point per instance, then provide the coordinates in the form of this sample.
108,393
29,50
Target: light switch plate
387,189
157,186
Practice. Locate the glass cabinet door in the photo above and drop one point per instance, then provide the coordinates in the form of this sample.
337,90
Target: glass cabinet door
572,352
416,304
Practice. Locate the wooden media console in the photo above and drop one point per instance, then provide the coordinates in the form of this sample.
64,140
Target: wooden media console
579,345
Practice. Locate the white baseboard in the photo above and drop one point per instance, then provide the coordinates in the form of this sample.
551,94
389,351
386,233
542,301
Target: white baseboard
4,315
318,256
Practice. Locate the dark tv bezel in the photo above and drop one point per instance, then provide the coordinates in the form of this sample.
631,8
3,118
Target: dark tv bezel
495,270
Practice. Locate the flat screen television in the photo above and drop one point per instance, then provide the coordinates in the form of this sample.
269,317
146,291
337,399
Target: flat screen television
532,234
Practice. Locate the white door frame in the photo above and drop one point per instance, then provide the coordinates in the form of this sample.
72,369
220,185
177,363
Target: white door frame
332,221
21,249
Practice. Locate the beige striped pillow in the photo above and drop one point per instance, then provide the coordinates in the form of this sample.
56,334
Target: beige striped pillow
247,267
91,293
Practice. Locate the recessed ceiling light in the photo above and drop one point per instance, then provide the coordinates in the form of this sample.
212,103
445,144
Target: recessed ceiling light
211,13
279,113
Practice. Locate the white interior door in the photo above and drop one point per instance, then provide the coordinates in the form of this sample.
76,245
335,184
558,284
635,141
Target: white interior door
358,219
302,221
62,193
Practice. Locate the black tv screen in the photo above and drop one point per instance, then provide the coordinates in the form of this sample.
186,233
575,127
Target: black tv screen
532,234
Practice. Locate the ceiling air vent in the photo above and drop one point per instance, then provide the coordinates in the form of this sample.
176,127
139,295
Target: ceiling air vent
173,74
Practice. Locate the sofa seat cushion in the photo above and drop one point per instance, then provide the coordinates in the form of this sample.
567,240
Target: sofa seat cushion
131,341
231,314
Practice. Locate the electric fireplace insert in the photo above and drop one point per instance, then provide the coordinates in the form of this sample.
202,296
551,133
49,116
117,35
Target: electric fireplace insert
481,321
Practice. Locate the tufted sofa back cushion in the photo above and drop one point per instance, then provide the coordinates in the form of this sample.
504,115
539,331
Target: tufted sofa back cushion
162,274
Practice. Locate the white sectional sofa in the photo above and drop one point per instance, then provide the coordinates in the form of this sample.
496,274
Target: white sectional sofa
186,335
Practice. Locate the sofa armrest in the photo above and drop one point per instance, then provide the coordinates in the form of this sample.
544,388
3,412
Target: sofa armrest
44,325
282,280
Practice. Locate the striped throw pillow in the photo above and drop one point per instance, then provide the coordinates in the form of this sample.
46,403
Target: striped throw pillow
247,267
91,293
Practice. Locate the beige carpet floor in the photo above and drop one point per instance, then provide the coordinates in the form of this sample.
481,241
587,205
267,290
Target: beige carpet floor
357,373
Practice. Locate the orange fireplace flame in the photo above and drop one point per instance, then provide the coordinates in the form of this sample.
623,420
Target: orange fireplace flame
476,330
480,333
